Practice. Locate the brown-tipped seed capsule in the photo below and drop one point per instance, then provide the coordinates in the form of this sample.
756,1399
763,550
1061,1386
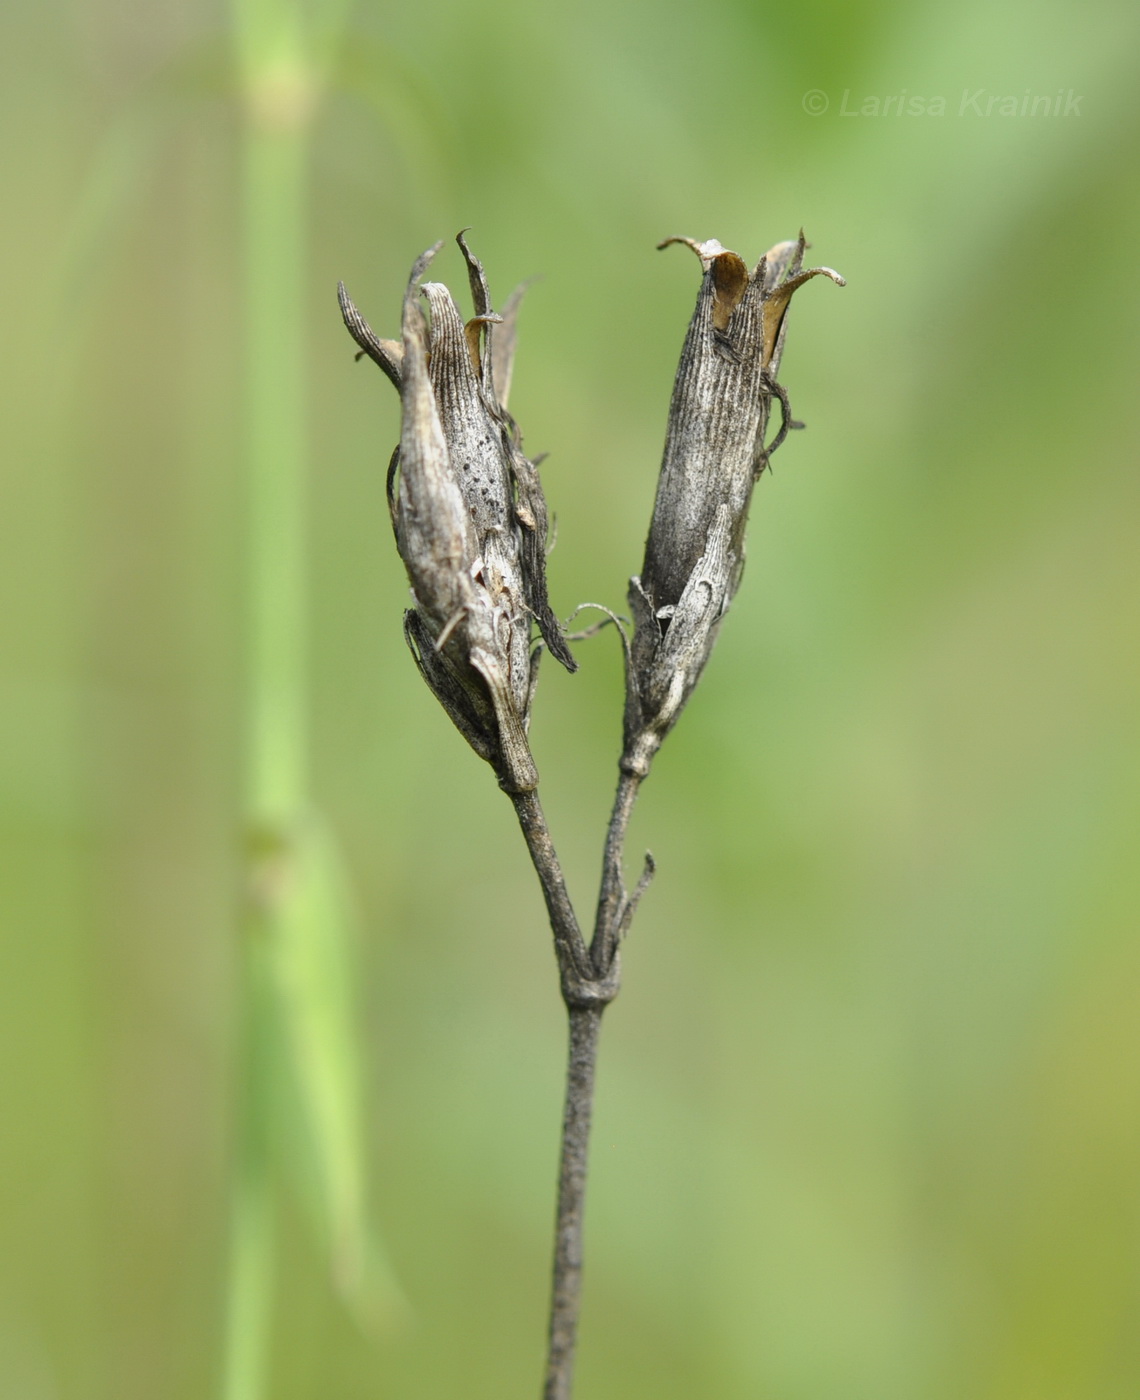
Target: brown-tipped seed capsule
469,516
714,453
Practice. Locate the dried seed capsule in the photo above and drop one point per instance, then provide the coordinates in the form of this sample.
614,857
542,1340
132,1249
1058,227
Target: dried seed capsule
714,452
469,518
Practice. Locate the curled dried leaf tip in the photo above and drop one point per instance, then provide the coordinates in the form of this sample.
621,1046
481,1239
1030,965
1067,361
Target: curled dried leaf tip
469,513
714,452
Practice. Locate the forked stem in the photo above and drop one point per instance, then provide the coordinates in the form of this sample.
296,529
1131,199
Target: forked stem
591,978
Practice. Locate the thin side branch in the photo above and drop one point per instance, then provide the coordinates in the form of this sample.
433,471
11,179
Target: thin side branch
612,897
581,986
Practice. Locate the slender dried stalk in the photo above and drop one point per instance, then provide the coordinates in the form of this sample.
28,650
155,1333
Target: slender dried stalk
585,1023
714,454
574,961
591,978
471,526
615,908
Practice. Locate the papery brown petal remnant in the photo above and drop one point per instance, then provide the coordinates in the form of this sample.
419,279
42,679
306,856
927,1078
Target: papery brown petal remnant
714,453
504,337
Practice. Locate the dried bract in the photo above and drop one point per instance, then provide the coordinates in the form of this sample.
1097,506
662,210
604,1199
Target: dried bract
714,454
469,516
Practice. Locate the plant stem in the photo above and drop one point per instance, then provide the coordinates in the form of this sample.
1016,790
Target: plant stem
574,960
590,979
585,1023
612,898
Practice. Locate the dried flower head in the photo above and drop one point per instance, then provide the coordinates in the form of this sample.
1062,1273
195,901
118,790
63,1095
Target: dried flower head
714,454
469,515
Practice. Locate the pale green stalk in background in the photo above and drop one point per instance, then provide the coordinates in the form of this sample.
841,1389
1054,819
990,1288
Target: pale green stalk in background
278,102
299,1049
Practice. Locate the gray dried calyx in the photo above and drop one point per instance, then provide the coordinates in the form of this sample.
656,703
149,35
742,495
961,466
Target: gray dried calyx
471,521
469,515
714,454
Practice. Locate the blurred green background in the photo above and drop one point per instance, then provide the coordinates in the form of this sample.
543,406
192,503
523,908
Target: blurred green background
869,1104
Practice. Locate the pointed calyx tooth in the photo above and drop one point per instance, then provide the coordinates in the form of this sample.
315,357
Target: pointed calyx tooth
476,276
481,297
775,305
388,354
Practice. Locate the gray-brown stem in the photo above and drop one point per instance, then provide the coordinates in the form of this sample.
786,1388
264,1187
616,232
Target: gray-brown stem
590,980
612,899
574,964
585,1023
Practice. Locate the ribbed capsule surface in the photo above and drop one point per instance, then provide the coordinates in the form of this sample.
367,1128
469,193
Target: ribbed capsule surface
714,453
469,515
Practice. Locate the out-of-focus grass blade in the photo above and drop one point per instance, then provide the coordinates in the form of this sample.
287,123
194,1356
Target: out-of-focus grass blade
249,1295
314,965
